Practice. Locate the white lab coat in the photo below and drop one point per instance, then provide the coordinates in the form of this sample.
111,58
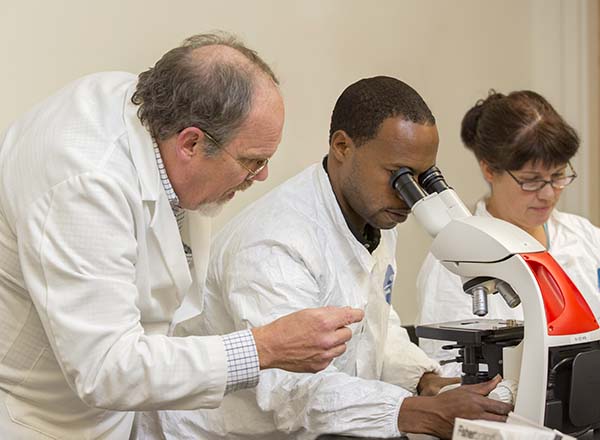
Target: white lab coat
293,250
91,271
574,243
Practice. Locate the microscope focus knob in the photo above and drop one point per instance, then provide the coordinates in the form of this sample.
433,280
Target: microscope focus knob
505,391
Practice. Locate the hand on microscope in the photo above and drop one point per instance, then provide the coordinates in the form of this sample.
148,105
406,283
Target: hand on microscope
434,415
431,383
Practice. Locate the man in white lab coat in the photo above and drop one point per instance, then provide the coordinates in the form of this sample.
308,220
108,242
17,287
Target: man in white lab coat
326,237
101,239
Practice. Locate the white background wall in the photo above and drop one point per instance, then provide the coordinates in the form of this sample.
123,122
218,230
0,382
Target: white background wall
451,52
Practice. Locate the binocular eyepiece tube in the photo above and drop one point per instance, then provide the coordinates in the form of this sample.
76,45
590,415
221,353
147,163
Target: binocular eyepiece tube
433,203
404,183
429,182
432,181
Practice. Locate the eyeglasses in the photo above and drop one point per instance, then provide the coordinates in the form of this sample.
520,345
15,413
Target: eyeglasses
258,164
538,184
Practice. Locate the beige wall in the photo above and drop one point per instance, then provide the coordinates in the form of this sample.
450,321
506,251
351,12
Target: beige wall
451,52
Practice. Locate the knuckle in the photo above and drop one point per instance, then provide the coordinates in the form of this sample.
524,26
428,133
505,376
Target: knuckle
327,342
326,356
314,368
319,365
345,334
351,316
321,321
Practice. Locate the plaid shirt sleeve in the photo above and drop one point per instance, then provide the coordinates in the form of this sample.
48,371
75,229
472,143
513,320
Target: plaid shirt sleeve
242,361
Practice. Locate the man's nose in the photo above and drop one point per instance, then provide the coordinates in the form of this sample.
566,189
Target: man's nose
262,175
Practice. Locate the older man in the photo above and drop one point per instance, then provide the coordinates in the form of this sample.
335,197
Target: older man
326,237
101,239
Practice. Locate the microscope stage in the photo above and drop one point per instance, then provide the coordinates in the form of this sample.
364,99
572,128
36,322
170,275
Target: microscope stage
473,331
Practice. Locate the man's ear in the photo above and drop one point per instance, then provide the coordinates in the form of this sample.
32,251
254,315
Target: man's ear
487,171
189,142
341,146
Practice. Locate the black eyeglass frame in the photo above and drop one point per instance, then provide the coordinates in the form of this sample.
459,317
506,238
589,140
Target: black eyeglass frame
540,183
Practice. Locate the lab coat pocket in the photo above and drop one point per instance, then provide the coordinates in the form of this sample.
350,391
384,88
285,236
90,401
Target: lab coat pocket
57,411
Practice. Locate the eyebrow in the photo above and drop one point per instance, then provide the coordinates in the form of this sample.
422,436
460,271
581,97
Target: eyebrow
398,165
254,157
537,173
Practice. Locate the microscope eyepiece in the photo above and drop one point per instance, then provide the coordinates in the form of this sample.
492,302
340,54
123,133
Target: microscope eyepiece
408,189
432,180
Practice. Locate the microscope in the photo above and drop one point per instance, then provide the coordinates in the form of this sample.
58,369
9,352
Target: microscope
553,356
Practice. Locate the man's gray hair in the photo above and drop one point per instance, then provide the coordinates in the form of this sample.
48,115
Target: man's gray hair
213,93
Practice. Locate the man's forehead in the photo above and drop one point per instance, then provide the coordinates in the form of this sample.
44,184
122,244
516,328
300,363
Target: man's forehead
408,143
418,164
258,141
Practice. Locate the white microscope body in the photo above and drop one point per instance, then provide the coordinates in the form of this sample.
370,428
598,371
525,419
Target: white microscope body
493,255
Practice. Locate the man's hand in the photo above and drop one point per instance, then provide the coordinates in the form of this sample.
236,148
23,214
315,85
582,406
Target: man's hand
305,341
435,415
431,384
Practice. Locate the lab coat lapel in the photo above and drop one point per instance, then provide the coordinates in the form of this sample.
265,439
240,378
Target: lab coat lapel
163,224
200,236
166,233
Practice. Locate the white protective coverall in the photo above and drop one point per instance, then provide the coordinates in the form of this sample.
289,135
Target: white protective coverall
574,244
91,271
291,250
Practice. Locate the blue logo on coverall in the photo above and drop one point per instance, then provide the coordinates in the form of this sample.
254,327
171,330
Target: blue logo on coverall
388,283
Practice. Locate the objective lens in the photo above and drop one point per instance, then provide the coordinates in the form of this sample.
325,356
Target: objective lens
509,295
480,300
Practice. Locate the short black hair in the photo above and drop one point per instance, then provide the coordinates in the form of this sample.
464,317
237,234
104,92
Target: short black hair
363,106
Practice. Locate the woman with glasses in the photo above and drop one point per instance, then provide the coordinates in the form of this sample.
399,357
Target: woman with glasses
524,149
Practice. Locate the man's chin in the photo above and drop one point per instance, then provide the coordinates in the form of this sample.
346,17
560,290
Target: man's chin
389,225
392,218
212,209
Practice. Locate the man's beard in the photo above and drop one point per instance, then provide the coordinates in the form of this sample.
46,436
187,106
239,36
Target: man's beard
212,209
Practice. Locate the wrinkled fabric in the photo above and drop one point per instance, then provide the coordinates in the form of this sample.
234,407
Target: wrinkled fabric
574,243
293,250
91,271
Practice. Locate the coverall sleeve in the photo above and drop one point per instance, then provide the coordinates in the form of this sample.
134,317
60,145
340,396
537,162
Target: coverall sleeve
329,401
404,362
78,251
440,298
